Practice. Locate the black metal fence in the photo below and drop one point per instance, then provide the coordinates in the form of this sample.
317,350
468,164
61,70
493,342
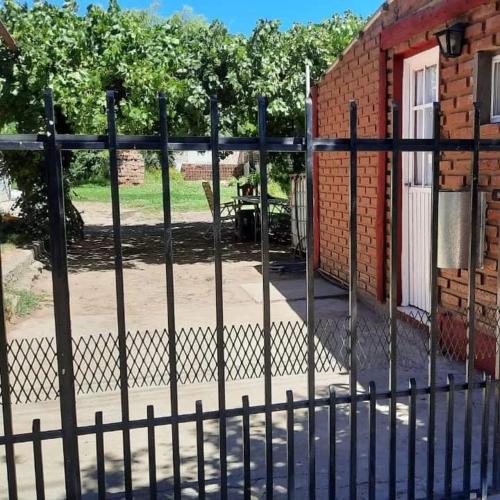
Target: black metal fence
489,475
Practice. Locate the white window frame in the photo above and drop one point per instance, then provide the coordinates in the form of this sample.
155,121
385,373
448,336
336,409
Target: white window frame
420,61
495,60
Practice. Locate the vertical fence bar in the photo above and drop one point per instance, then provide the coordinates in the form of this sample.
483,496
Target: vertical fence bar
353,299
120,297
10,459
496,389
62,313
311,323
393,297
169,276
496,438
265,295
200,451
219,301
246,449
290,441
485,437
471,312
372,445
38,459
412,430
99,445
450,421
151,452
332,435
433,283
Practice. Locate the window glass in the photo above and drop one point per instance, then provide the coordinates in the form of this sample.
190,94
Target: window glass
418,163
419,87
430,84
495,89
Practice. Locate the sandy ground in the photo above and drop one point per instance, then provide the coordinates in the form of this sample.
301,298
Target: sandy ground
92,280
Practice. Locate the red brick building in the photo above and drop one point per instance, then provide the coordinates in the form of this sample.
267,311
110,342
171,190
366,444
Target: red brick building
397,58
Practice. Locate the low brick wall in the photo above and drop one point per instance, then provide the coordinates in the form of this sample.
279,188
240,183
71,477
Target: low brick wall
130,168
193,172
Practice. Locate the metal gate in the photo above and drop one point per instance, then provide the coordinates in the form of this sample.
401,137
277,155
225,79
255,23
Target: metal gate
325,461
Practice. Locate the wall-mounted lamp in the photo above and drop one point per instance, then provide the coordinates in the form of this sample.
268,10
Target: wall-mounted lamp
451,40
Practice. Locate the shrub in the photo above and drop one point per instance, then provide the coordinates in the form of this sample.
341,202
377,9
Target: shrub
89,167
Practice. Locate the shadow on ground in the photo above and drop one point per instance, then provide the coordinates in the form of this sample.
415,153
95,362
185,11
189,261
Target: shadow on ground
145,243
235,478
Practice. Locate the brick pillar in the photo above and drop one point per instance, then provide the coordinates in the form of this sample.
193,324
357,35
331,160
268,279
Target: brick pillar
130,167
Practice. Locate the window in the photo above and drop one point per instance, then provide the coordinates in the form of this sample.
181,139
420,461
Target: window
495,89
487,85
423,87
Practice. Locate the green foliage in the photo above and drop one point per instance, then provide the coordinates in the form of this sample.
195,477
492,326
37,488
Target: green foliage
151,160
185,196
89,166
138,54
253,179
21,302
175,175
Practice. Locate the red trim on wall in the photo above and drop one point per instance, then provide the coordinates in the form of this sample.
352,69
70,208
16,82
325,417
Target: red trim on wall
316,232
425,20
382,162
421,47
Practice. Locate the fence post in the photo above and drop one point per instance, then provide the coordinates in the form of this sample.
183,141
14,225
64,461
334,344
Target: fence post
496,390
311,323
266,301
119,287
219,300
450,420
169,276
6,397
496,437
393,294
471,314
433,338
353,297
62,315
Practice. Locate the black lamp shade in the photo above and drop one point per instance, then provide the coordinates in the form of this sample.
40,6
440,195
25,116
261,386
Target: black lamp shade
451,40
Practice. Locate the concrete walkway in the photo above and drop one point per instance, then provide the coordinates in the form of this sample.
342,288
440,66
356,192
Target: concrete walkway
109,403
93,307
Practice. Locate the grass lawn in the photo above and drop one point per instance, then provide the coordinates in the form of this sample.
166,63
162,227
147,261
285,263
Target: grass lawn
186,196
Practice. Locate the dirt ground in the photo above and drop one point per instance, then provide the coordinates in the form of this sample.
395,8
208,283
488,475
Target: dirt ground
92,279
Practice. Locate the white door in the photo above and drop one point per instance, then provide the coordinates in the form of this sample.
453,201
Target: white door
420,90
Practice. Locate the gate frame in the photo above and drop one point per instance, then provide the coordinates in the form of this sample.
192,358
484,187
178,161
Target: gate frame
52,144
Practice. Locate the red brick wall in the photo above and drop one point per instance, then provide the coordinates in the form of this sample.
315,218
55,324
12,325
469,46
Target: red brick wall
456,89
191,172
130,168
356,76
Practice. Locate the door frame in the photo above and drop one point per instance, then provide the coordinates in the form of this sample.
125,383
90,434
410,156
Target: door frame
428,55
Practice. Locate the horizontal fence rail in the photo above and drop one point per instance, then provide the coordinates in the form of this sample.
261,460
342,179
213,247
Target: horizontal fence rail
412,404
66,142
357,438
254,410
